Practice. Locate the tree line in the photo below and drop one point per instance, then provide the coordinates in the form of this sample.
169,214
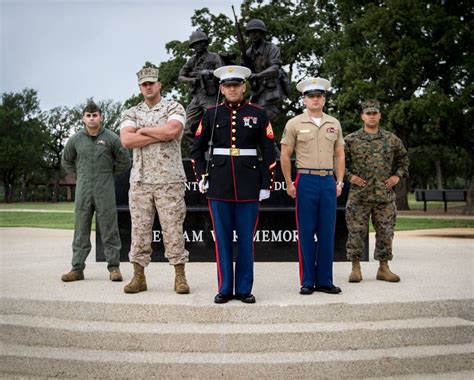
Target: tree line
412,55
32,141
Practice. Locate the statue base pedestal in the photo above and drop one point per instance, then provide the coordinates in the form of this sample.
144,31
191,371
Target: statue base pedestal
275,238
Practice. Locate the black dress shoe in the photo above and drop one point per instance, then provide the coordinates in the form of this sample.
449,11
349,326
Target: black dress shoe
222,298
306,290
248,298
328,289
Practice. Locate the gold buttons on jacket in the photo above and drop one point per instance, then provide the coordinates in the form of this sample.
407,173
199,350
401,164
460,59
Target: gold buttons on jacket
233,138
234,130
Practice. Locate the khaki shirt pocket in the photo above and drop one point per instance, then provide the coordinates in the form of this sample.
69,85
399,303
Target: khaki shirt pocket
331,136
303,137
328,142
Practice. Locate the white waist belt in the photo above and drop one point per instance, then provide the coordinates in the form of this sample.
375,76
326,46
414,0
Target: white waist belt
234,152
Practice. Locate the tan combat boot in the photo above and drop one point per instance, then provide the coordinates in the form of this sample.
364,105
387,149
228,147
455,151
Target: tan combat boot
385,274
72,276
356,274
115,275
180,284
138,283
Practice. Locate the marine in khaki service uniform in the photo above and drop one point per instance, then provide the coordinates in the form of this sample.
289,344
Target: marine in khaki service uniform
375,161
154,129
198,73
95,154
316,138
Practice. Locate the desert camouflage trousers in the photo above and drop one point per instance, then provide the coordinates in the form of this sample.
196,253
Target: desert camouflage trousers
383,219
168,200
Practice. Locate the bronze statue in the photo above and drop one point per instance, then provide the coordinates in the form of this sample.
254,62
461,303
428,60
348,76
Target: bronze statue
198,72
267,85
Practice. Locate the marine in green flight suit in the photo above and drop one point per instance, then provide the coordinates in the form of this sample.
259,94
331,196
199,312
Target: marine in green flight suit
95,154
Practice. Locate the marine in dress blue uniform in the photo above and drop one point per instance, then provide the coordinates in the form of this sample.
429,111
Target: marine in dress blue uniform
234,178
317,140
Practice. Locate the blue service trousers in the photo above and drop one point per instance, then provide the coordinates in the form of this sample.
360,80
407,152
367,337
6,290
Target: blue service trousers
226,217
315,214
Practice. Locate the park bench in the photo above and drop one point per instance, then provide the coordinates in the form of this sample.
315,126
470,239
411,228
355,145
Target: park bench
454,195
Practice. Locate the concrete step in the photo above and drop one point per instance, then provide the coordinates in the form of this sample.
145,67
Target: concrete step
229,337
458,375
85,363
138,310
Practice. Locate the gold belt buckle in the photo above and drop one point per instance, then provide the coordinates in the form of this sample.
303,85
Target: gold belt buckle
235,151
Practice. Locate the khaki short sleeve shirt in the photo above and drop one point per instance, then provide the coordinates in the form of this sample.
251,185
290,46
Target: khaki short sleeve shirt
313,145
161,162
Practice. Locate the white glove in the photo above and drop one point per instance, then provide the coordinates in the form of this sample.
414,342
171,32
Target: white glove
203,185
264,194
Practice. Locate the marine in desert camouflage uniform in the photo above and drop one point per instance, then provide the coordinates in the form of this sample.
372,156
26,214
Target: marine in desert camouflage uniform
376,160
154,129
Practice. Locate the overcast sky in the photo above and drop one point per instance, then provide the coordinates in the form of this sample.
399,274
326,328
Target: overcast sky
69,50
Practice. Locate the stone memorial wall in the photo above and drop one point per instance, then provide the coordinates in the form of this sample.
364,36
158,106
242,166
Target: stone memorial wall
275,238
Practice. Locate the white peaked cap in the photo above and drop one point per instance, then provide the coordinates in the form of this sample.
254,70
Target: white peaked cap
232,74
313,85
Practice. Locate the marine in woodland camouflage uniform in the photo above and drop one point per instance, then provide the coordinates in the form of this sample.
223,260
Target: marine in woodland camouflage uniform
375,161
154,129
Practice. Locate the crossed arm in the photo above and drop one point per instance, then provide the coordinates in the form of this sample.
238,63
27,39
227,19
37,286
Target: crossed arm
140,137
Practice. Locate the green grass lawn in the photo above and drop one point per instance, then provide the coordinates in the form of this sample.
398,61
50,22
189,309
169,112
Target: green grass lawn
37,219
64,219
60,215
59,206
406,224
69,206
415,205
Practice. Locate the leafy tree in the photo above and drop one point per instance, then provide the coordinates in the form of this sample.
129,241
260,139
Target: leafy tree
22,139
287,23
133,101
413,55
415,62
58,123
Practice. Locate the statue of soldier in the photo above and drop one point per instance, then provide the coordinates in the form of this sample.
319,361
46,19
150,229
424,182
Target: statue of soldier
267,82
198,72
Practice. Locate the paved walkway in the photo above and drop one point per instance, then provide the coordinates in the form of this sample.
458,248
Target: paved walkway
433,265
